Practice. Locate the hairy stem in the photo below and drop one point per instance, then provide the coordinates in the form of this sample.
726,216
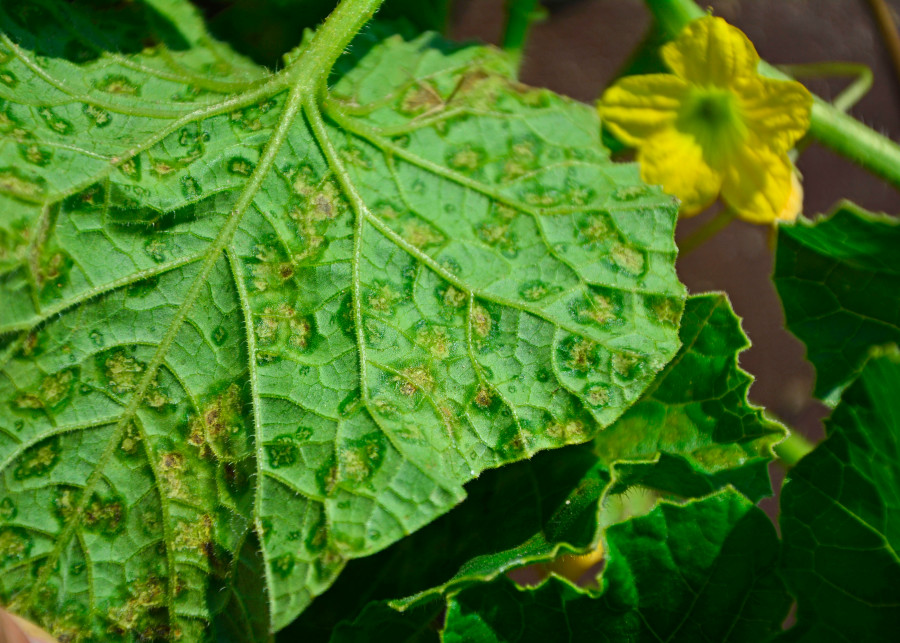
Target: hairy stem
829,125
329,42
519,16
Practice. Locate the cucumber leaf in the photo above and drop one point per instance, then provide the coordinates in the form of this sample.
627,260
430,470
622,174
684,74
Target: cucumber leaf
527,512
839,282
694,431
236,311
704,571
839,516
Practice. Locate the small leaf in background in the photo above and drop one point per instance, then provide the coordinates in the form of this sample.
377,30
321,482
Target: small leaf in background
705,571
838,278
694,430
840,517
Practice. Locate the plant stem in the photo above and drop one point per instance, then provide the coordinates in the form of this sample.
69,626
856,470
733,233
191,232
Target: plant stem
889,35
329,42
828,125
705,232
519,16
849,96
792,449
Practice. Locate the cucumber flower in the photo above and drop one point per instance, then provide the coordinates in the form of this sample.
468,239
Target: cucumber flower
714,126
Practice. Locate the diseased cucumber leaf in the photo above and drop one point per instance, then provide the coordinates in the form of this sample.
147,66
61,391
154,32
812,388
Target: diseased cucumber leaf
705,571
694,431
839,282
839,517
232,312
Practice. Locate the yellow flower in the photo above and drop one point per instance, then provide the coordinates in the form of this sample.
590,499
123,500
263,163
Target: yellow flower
714,125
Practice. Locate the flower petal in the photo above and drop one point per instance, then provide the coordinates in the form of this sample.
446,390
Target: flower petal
674,160
636,107
777,111
757,184
709,51
794,205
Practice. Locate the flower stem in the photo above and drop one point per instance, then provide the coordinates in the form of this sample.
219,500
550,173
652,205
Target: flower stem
792,449
519,16
888,29
828,125
852,94
705,232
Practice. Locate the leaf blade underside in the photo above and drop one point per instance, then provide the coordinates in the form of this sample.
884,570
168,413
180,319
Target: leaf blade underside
228,312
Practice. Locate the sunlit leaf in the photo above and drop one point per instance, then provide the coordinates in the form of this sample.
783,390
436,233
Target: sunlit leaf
235,311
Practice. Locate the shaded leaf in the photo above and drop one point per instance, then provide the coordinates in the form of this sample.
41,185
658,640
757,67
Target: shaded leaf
839,282
839,517
705,571
417,625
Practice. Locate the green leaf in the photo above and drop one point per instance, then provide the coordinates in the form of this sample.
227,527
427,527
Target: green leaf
705,571
531,511
693,431
839,282
839,517
234,305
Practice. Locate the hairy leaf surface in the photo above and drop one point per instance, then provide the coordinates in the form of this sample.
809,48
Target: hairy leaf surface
700,572
234,312
839,283
839,517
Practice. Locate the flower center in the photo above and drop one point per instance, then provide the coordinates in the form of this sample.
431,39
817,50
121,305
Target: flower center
713,117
